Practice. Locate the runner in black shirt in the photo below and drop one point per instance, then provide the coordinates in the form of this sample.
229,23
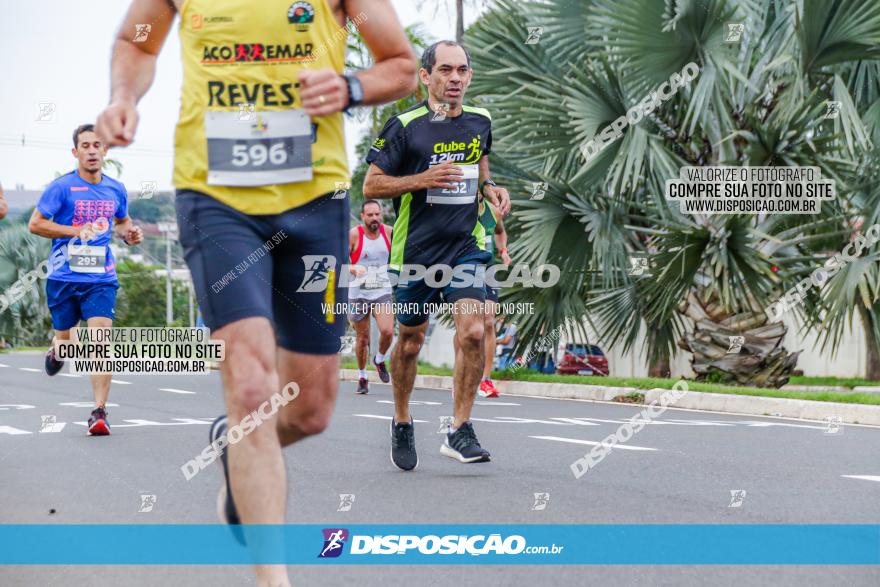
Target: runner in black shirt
433,159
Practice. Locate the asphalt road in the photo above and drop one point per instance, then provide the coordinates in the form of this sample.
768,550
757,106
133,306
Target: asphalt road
680,469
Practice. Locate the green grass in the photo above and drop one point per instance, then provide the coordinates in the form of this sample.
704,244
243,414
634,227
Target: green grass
658,383
833,382
24,348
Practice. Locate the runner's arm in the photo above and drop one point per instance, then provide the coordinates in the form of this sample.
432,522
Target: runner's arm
4,208
352,245
393,74
378,184
501,237
42,226
497,195
127,231
352,240
133,67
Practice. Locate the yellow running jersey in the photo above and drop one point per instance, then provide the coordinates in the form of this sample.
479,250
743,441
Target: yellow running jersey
242,136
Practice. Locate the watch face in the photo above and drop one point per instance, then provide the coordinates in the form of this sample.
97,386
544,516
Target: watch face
355,90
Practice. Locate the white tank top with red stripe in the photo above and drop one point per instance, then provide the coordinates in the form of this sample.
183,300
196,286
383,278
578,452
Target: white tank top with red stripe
372,254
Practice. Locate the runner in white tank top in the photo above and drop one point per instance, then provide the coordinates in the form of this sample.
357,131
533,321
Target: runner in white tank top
370,246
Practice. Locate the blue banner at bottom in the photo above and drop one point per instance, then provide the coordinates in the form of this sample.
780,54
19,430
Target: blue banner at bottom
646,544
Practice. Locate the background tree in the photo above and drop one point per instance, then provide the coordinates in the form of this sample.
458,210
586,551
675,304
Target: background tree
27,321
758,102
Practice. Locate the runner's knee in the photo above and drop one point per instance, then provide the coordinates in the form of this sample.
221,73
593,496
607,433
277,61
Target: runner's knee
410,344
310,412
471,334
314,421
251,378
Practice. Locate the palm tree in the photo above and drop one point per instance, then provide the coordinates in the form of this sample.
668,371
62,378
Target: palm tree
757,102
26,321
459,12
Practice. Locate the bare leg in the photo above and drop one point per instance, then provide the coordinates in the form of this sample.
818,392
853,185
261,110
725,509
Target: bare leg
318,379
404,364
256,467
362,341
100,381
385,322
489,337
468,359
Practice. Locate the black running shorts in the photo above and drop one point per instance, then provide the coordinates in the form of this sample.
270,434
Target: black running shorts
275,266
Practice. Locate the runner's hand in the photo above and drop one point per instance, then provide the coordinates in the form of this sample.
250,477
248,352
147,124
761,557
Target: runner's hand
133,236
505,258
443,176
498,196
315,84
117,124
86,232
357,270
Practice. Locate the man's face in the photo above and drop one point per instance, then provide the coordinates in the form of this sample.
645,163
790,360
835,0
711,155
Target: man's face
89,151
372,217
449,77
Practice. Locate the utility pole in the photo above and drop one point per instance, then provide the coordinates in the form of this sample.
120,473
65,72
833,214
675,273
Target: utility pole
192,312
169,229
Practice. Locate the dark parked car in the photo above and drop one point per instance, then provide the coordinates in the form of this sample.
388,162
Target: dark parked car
582,359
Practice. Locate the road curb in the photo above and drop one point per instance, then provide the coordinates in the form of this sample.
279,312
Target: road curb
699,400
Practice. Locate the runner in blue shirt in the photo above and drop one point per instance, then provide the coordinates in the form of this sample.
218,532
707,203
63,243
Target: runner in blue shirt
77,211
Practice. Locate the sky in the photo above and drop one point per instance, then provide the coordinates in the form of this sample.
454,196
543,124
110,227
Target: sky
58,52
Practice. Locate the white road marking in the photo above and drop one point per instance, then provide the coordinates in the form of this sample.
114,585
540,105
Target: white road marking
172,390
412,403
576,421
687,423
515,420
136,423
69,375
688,410
4,407
757,424
494,403
53,428
603,421
592,443
3,365
864,477
86,405
384,417
118,382
31,369
13,431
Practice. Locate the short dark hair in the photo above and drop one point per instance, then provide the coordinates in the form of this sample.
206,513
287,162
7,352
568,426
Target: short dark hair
364,205
79,130
429,57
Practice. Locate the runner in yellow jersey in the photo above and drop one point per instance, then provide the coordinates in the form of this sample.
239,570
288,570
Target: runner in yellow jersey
259,153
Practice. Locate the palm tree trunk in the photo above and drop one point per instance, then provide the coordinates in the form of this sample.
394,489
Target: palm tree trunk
872,345
659,368
459,17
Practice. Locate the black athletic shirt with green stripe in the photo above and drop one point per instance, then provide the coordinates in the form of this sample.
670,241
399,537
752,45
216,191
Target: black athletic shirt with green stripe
434,226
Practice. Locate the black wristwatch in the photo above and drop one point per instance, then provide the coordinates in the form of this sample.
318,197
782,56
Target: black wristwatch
485,183
355,92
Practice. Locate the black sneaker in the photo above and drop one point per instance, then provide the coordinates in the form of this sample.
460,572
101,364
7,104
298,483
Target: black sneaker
225,505
382,370
403,445
98,425
464,446
363,387
52,365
